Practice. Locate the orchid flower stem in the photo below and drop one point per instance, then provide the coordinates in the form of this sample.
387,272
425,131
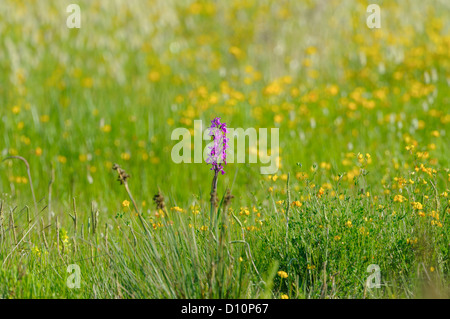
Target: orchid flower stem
213,196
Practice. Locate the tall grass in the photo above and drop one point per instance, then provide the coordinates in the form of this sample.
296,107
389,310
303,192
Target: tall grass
364,150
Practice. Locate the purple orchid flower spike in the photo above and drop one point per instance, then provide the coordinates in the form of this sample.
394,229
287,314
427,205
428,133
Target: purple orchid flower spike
217,156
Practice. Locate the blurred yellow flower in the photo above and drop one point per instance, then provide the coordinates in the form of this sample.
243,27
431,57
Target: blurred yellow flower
45,118
154,76
297,203
399,198
16,109
62,159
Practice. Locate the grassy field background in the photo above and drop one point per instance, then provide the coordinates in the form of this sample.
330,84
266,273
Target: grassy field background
364,123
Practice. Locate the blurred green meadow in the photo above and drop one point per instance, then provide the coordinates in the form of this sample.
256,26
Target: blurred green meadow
363,117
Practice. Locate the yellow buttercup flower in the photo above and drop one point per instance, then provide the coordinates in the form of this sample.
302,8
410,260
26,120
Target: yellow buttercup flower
297,203
16,109
399,198
177,209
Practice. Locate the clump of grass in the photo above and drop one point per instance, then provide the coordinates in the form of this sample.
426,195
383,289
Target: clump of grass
370,139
